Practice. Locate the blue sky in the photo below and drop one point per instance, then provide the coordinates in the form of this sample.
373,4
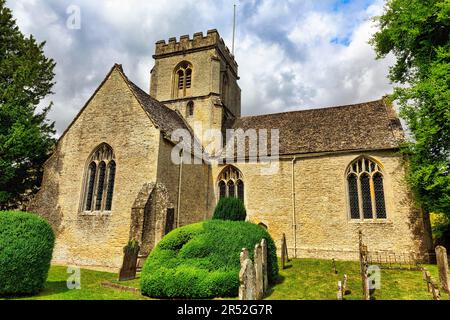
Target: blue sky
292,55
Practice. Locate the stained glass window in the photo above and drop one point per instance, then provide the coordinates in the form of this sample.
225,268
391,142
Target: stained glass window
100,185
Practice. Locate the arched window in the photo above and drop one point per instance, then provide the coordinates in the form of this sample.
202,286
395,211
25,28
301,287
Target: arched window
183,80
190,109
365,190
231,183
99,180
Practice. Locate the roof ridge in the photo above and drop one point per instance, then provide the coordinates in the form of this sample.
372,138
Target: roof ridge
313,109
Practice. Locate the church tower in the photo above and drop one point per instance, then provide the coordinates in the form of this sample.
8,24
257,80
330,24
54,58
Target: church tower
197,77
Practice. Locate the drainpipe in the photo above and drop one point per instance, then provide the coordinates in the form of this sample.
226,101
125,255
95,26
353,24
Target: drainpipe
294,219
180,175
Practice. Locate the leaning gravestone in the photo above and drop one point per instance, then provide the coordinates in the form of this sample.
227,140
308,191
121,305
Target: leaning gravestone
247,280
129,266
259,284
264,260
442,262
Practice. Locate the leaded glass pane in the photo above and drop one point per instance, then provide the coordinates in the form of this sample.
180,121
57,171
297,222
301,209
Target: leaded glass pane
231,190
366,197
110,190
100,186
240,189
90,187
353,196
379,196
222,189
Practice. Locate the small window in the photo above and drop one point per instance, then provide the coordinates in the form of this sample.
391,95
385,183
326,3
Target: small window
182,80
190,109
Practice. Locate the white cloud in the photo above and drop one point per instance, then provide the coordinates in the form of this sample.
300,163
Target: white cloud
285,51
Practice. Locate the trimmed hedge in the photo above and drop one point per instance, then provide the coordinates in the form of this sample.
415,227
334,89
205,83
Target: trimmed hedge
230,209
26,247
202,260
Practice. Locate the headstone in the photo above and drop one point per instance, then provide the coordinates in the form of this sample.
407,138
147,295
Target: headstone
427,279
334,266
265,264
244,255
442,262
344,284
259,278
340,293
247,280
283,252
129,265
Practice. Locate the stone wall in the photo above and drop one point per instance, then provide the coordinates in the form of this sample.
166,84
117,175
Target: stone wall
112,116
323,227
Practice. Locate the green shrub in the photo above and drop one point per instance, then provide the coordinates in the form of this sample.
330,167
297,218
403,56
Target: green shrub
202,260
26,247
230,209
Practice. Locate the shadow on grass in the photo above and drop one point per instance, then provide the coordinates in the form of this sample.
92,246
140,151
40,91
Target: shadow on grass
54,287
280,279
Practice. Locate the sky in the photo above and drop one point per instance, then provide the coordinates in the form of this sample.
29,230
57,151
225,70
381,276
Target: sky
292,54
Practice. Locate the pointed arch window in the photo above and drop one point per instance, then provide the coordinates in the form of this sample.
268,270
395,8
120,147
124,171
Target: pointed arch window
99,180
365,186
231,183
183,80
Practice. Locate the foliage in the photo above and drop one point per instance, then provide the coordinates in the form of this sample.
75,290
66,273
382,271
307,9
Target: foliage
202,260
132,247
230,209
417,32
25,134
26,247
440,225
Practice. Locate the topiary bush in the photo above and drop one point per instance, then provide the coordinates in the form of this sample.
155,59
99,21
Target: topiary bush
202,260
230,209
26,248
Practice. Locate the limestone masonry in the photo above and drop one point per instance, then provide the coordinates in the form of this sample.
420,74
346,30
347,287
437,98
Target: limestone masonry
112,177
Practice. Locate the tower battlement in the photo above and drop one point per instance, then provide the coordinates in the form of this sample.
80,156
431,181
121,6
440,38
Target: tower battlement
196,43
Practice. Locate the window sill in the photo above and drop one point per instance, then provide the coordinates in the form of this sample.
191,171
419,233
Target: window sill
95,213
371,221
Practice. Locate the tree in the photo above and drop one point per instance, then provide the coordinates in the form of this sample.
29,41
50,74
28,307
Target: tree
26,136
417,32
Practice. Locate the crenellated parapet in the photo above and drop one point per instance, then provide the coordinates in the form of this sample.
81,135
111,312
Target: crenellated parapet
197,43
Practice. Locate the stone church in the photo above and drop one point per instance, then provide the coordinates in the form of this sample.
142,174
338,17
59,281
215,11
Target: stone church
111,177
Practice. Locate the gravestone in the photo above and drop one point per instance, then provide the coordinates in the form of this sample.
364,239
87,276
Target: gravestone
284,252
247,280
442,262
129,265
340,293
259,284
265,263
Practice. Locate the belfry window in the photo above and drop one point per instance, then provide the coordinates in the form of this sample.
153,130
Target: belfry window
183,80
365,186
99,180
231,183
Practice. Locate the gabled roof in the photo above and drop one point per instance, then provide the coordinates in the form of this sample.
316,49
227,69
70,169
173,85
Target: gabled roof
364,126
162,117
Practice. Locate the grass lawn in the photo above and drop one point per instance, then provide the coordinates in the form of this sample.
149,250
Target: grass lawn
91,287
310,279
304,279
